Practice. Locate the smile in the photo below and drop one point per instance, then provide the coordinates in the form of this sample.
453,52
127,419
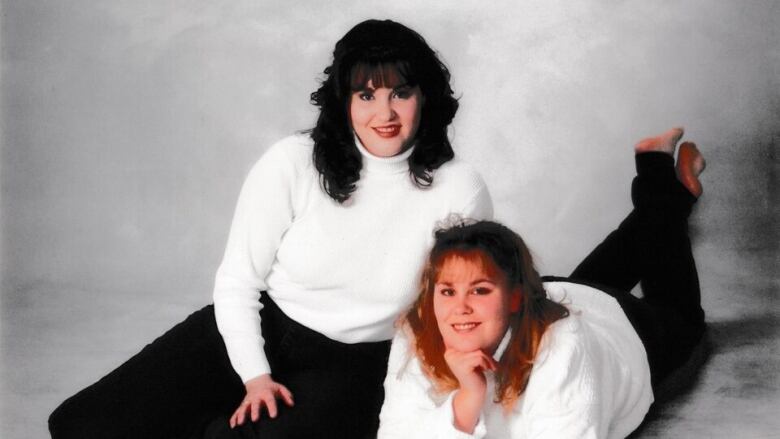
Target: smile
388,131
464,327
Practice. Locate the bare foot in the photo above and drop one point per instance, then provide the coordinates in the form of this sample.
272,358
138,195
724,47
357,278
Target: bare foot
664,142
690,163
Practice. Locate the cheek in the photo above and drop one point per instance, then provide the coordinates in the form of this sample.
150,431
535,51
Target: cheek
356,113
441,311
438,310
410,112
499,310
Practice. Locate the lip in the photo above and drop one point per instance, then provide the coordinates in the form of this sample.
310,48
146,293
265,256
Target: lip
387,131
464,327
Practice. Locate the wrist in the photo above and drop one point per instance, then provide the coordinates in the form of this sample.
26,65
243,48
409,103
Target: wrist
474,387
467,408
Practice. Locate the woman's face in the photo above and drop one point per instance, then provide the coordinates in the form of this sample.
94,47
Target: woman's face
386,119
472,305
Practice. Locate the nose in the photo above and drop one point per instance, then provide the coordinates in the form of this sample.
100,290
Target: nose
386,112
462,306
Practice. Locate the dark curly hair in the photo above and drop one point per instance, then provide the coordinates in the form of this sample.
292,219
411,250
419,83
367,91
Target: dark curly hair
380,50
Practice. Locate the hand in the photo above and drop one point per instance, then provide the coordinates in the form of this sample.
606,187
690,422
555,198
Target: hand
468,368
260,391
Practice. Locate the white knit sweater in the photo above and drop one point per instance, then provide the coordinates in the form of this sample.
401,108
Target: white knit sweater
347,270
590,380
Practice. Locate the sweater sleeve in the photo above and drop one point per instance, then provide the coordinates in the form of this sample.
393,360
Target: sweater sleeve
480,205
409,412
565,397
263,213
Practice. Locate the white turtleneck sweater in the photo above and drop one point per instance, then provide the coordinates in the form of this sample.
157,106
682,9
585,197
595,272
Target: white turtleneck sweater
344,270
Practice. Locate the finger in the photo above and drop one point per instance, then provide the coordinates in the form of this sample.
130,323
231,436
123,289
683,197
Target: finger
233,420
475,358
241,414
286,395
492,364
480,361
256,406
270,404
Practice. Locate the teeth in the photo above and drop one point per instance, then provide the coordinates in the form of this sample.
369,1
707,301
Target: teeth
464,326
386,129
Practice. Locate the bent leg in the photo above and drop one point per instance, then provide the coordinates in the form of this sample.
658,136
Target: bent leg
651,231
337,404
652,246
337,387
170,388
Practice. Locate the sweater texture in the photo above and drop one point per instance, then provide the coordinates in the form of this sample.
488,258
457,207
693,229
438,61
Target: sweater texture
590,380
344,270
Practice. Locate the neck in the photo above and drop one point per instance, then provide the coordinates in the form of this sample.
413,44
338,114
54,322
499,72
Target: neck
386,165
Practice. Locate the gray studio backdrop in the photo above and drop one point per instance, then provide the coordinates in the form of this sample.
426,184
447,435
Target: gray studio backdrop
129,126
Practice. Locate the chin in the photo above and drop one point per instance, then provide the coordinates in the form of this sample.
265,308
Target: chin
462,345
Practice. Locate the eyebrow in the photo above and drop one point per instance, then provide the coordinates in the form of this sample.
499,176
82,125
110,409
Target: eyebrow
396,88
478,281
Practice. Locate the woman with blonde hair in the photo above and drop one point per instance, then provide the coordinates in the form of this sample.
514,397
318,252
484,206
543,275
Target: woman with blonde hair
490,350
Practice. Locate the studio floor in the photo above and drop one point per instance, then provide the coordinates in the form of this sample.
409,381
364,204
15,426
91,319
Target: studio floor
126,129
57,340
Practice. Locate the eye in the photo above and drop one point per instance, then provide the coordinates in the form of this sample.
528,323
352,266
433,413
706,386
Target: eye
365,95
449,292
481,291
402,93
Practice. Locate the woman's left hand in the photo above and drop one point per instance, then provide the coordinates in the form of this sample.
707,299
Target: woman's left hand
260,391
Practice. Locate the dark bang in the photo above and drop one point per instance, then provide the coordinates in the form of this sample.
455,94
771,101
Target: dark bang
381,74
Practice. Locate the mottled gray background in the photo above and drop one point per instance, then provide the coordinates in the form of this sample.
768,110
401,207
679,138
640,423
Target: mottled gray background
128,127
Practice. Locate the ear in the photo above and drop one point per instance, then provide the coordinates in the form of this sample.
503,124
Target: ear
516,300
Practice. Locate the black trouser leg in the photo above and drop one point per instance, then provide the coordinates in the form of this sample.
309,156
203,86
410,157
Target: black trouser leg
652,246
168,390
337,387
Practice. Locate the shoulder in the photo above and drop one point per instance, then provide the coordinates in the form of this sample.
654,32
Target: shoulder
295,149
563,342
462,189
403,364
598,323
288,156
402,354
458,174
576,296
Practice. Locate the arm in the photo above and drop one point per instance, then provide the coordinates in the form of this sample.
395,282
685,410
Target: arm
263,213
467,403
566,396
409,410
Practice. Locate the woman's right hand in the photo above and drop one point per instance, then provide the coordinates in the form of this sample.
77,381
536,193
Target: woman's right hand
260,391
468,368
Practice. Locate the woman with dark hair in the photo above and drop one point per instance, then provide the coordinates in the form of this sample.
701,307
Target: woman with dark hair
323,254
489,350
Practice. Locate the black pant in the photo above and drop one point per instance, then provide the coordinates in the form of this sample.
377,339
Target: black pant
182,384
651,246
178,385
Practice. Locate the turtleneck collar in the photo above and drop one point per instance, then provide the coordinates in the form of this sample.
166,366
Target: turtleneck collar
384,165
503,345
